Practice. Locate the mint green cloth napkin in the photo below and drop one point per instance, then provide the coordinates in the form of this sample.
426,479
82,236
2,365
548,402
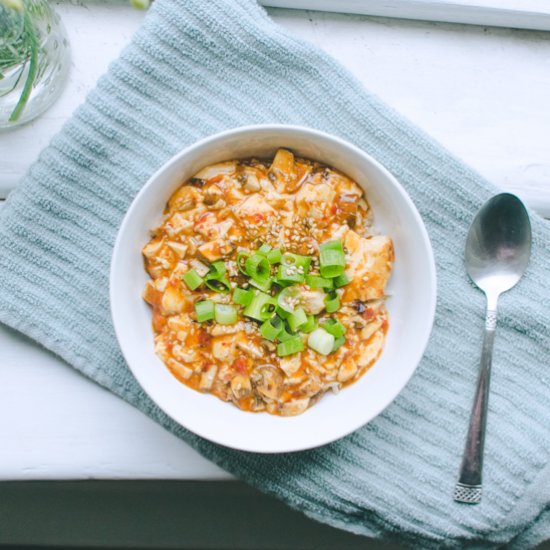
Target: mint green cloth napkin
193,69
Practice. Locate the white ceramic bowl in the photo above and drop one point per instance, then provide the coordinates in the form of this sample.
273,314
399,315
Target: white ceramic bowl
411,306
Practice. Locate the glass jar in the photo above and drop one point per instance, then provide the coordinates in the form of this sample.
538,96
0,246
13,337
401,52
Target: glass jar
34,59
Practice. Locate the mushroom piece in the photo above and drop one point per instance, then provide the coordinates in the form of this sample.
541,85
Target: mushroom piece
241,386
268,382
310,387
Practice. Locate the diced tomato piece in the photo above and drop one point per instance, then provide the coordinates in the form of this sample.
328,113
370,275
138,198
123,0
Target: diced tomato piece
240,365
204,337
368,314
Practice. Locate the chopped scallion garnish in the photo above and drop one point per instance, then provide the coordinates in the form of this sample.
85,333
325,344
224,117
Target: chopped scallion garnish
310,325
293,268
218,285
264,249
225,314
341,280
242,297
274,256
204,310
262,285
261,308
296,319
242,256
278,309
332,302
284,335
257,267
314,281
334,327
192,279
290,346
338,343
321,341
332,259
271,328
217,270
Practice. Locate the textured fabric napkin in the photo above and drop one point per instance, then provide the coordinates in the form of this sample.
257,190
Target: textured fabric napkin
196,68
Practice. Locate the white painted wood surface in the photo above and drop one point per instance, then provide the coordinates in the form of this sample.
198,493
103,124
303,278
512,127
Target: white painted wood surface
482,92
519,14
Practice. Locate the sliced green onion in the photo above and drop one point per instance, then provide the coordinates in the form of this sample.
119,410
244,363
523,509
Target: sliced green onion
264,249
281,312
262,285
284,335
297,319
218,285
321,341
332,245
332,302
338,343
314,281
215,279
310,325
287,298
341,280
217,270
261,308
225,314
293,268
290,346
242,297
332,259
271,328
242,256
192,279
204,310
334,327
274,256
257,267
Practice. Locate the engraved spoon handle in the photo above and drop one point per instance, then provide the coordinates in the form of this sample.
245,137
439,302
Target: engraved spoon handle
468,488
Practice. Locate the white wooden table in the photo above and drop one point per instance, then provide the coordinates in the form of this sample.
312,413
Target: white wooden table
482,92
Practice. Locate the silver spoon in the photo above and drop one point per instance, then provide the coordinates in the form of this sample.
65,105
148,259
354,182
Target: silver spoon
497,252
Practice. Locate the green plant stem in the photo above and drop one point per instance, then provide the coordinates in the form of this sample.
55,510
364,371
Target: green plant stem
33,66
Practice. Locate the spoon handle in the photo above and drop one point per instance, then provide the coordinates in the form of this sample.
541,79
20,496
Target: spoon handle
468,488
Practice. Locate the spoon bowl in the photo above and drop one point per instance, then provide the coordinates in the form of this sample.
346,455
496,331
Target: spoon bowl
498,246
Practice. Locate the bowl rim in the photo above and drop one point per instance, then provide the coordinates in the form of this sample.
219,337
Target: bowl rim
311,132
